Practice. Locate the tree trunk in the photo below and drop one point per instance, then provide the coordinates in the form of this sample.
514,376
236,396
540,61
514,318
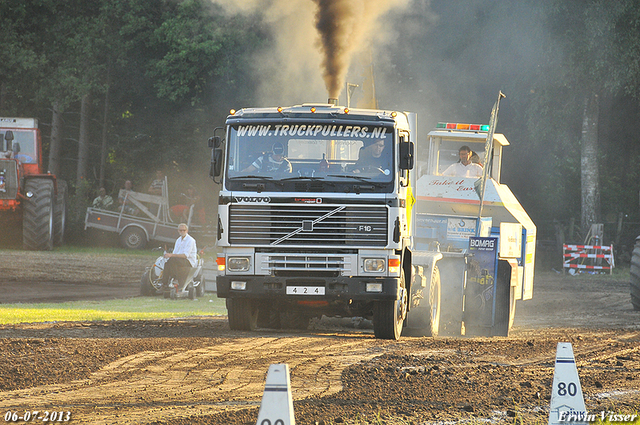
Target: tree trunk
56,139
589,164
103,151
83,141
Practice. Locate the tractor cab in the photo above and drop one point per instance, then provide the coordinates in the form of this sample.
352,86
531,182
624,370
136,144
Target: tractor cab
20,140
446,140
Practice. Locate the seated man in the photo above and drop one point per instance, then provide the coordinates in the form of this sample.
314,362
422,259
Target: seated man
125,204
182,258
371,158
103,201
464,167
271,162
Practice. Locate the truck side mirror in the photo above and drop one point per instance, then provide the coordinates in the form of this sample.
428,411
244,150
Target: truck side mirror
16,147
406,156
214,142
216,163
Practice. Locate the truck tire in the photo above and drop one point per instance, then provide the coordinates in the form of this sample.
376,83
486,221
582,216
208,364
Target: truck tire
133,238
425,319
243,314
635,275
388,315
37,216
268,318
60,213
294,320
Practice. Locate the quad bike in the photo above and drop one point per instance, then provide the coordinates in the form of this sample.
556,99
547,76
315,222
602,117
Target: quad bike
151,281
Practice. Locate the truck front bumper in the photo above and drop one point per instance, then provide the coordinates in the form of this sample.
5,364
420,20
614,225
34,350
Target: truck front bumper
335,288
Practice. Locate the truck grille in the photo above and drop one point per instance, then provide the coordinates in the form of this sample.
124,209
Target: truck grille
310,265
308,225
8,169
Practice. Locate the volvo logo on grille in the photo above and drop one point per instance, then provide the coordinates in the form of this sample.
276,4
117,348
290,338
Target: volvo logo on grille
307,225
253,199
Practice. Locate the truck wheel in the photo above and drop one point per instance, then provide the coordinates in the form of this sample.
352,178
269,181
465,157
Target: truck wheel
37,217
146,288
268,318
295,320
388,315
243,314
635,275
133,238
60,213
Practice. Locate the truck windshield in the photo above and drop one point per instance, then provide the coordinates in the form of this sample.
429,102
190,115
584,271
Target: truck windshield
315,151
23,146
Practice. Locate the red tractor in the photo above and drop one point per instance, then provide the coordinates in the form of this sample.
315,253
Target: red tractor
30,199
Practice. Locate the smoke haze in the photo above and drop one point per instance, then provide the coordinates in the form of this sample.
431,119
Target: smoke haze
315,42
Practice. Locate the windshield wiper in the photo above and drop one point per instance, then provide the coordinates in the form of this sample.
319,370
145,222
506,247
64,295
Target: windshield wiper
348,176
252,176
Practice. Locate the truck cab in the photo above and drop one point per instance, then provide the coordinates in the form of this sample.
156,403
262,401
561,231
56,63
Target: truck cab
313,215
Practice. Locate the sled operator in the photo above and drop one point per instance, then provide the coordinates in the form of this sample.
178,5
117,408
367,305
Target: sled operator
182,258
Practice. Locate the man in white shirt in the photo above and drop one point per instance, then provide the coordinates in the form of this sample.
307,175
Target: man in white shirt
464,167
182,258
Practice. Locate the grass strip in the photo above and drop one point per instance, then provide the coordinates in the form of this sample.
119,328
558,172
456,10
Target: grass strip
138,308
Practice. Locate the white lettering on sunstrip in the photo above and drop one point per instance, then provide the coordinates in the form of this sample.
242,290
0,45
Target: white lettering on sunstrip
312,130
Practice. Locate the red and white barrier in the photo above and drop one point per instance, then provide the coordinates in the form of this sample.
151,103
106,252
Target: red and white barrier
588,257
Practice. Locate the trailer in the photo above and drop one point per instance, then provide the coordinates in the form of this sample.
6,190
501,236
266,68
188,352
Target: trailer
152,221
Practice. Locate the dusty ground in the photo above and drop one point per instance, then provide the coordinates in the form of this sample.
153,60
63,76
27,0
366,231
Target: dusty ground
197,371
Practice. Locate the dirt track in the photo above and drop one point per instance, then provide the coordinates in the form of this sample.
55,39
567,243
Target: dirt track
197,371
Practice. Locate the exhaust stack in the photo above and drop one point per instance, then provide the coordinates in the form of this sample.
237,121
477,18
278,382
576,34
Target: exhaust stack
333,101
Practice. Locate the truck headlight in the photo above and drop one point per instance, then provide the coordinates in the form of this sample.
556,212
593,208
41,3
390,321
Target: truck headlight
238,264
374,265
238,285
373,287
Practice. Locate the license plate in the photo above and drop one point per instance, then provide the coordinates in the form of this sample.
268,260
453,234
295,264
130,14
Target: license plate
305,290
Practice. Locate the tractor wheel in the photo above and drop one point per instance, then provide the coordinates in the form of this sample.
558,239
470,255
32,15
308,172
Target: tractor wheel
146,286
199,283
60,213
388,315
505,301
425,319
133,238
635,275
37,216
243,314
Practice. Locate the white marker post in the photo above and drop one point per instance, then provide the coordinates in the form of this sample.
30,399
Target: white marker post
277,404
567,402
